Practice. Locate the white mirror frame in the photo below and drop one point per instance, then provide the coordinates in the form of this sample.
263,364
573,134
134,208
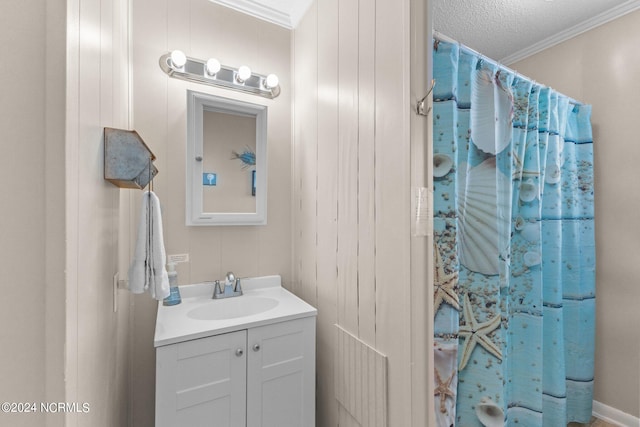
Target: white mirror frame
197,104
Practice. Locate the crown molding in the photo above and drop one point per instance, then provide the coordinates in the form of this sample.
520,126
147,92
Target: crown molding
569,33
259,11
288,18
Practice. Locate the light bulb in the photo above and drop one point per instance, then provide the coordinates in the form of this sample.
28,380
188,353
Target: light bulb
212,66
178,58
244,73
271,81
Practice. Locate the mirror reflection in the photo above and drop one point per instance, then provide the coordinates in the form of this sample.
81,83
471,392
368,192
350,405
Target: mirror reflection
229,159
226,161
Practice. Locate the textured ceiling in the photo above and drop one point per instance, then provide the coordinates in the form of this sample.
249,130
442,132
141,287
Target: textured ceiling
508,30
503,30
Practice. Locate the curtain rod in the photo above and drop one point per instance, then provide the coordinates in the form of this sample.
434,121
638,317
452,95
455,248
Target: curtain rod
443,38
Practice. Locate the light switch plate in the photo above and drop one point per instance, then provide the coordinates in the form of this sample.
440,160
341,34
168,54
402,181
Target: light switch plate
178,258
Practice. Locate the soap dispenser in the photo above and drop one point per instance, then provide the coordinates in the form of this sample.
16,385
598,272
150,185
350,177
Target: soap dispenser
174,295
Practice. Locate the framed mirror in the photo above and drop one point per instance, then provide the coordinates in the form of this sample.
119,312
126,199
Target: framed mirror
226,161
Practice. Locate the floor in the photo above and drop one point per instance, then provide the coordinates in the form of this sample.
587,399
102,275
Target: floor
593,423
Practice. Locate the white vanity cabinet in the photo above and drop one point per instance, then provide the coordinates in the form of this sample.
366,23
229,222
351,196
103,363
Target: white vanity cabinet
262,376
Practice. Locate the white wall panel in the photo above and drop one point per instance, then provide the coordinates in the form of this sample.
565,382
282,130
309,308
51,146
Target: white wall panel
347,164
97,339
326,284
362,172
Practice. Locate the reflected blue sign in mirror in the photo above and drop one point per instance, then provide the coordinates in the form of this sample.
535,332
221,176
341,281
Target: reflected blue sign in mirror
209,178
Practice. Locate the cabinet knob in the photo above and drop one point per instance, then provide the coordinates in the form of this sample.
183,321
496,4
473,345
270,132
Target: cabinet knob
256,347
198,158
239,352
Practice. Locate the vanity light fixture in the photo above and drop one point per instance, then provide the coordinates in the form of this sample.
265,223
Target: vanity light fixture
178,59
243,74
210,72
271,81
212,67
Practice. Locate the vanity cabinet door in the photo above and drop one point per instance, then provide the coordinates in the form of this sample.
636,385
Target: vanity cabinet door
281,374
202,382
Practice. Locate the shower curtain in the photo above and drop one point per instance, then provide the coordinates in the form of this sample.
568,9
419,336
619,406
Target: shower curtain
514,249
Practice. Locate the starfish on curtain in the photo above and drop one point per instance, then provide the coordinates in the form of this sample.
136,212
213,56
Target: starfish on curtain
476,333
444,284
444,389
519,171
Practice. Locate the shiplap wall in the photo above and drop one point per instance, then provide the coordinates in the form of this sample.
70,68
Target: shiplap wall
97,95
351,202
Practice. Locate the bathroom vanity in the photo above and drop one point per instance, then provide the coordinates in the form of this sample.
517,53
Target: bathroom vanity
241,361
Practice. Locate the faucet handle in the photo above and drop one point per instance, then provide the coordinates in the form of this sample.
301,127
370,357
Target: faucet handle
238,288
216,288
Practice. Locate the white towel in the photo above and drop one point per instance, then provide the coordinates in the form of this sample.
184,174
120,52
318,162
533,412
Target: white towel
147,271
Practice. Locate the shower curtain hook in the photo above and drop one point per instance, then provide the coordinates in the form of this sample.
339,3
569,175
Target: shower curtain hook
420,106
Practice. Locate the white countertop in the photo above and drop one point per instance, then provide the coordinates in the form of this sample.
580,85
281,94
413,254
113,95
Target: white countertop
174,325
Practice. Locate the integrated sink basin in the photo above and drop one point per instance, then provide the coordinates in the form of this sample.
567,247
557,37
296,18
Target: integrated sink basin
232,308
264,302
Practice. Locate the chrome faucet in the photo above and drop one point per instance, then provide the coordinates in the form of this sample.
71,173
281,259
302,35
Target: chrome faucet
231,285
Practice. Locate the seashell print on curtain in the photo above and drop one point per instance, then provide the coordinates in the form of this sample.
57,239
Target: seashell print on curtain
514,249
